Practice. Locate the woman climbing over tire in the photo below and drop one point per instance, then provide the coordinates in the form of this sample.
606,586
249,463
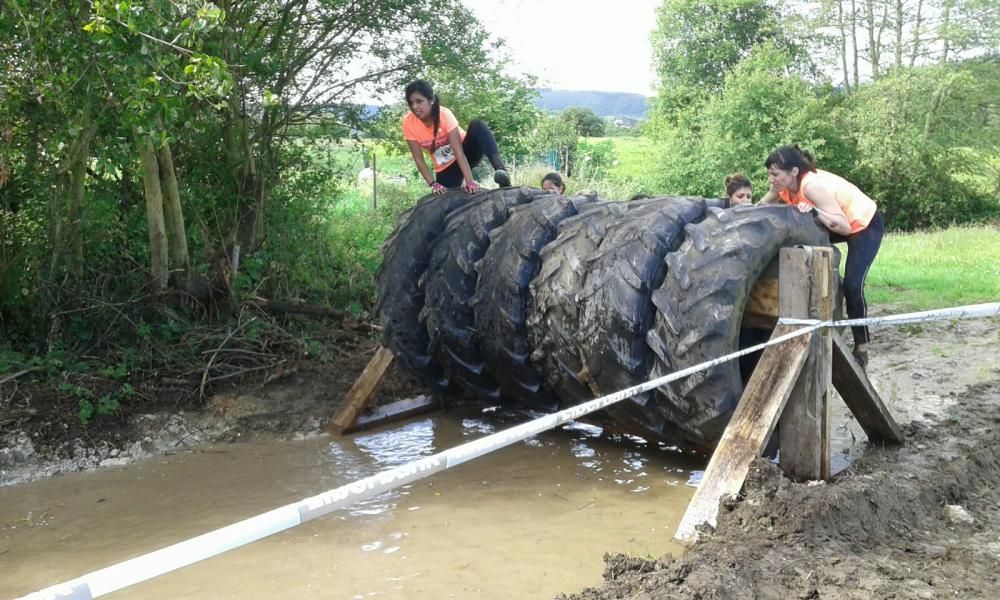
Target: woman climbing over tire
433,128
843,209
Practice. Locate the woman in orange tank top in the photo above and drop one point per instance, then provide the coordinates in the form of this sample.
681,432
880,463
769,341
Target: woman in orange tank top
839,206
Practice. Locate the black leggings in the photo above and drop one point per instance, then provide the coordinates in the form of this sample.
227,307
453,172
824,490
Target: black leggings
478,142
861,250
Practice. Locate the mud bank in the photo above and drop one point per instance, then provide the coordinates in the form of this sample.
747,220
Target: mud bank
918,521
41,437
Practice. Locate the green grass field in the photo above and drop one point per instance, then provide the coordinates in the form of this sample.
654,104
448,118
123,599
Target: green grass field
937,269
633,156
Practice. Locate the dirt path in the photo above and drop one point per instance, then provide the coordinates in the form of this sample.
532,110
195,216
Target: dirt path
882,528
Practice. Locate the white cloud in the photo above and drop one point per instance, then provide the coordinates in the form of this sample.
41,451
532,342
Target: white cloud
577,44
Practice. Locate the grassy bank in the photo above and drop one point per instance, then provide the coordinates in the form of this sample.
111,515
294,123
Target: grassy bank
937,269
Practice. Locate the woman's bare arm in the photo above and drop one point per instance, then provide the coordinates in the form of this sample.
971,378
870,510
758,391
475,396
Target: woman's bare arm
771,197
418,158
831,215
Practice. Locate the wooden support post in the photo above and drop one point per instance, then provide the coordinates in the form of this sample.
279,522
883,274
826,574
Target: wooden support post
860,396
361,393
806,292
748,431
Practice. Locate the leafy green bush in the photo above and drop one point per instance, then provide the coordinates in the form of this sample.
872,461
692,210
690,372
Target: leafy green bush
760,108
927,144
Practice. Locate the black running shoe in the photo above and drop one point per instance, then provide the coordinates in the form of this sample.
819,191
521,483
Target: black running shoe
501,178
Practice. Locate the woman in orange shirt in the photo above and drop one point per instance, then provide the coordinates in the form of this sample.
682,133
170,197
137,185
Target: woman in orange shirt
849,215
431,128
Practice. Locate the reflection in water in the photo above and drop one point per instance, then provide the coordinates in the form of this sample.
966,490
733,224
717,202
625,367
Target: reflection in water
546,510
378,452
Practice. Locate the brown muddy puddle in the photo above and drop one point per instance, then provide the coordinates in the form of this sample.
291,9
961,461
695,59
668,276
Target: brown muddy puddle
528,521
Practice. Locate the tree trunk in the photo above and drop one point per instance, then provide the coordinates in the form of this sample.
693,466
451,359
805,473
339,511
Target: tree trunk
873,44
154,215
72,172
945,29
246,179
937,99
843,45
899,34
74,233
177,249
916,33
854,40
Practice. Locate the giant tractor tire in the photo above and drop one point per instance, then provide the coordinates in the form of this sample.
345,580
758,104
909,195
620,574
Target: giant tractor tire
617,306
450,282
547,301
405,256
501,301
701,303
554,313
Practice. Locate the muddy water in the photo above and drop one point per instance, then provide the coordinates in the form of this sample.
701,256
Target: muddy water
528,521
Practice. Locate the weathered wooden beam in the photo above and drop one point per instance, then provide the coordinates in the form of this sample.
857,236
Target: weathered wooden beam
763,306
748,431
860,396
395,411
361,393
807,289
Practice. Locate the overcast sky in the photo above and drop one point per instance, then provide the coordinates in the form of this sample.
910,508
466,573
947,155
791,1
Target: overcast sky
577,44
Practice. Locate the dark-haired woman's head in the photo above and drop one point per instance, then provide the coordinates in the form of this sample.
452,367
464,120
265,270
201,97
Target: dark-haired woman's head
787,164
419,86
739,190
424,105
554,182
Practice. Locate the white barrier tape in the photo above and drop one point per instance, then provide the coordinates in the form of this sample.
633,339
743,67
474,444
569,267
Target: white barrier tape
147,566
973,311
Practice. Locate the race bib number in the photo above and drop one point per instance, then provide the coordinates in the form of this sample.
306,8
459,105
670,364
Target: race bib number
444,155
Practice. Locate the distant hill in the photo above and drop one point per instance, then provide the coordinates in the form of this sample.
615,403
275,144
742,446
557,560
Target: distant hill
604,104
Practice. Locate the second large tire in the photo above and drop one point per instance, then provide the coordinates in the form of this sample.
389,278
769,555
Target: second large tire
501,301
450,282
617,305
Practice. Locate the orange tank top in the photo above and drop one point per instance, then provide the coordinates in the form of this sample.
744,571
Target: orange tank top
857,206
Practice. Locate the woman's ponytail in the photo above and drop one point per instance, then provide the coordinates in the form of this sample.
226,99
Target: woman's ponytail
436,115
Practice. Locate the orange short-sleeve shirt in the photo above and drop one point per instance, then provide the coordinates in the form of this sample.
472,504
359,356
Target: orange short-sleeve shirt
857,206
441,155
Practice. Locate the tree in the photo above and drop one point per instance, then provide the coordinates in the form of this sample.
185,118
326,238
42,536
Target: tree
506,103
911,32
583,121
759,108
97,94
925,140
696,43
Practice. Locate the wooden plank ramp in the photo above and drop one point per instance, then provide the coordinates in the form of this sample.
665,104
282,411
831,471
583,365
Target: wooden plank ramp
362,392
859,394
749,430
396,411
